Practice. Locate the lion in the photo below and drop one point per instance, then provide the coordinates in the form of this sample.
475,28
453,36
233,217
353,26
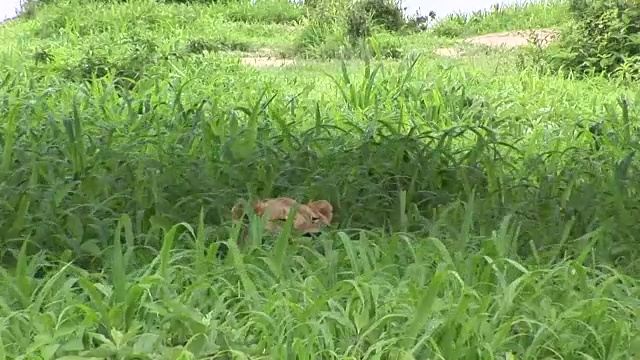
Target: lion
310,218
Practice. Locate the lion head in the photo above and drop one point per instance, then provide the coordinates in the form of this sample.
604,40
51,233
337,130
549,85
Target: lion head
310,218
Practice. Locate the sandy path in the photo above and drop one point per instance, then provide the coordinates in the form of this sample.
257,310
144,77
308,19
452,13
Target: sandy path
508,39
264,61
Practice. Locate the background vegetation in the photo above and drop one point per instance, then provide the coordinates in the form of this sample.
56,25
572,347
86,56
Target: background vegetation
485,206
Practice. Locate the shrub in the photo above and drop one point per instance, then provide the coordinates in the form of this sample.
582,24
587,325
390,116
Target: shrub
604,38
368,13
332,32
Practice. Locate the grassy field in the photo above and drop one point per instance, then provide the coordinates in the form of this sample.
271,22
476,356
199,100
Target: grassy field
484,209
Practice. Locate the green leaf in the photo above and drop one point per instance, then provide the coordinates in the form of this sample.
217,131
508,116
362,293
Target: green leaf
424,310
146,343
73,345
49,351
118,265
197,344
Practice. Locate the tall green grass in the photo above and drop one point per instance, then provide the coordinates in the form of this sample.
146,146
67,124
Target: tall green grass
365,296
479,213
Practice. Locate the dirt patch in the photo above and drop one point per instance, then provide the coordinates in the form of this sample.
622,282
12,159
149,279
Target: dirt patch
508,39
265,57
264,61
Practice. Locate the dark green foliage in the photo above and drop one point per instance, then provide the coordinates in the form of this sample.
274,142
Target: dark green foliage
199,46
162,160
358,25
603,39
126,71
385,13
366,13
420,22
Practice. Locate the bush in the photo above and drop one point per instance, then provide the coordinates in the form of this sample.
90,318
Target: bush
369,13
332,32
604,38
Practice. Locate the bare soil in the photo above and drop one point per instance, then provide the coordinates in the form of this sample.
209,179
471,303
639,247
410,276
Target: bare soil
265,57
509,39
265,61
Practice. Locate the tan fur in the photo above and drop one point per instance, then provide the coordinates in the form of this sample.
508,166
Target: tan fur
311,217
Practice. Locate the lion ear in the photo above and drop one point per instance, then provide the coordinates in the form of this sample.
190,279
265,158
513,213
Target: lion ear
259,207
237,212
322,207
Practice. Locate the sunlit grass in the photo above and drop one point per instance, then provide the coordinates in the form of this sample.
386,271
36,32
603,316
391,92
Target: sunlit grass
531,15
370,296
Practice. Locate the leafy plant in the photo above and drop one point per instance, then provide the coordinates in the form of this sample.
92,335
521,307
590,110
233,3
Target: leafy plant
366,14
603,39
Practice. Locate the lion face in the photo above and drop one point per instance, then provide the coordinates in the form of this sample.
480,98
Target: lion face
310,218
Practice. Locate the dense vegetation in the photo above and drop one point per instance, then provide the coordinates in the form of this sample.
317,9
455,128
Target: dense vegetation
485,206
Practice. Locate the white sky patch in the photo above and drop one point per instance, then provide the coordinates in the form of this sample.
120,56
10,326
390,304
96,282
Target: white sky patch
9,9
